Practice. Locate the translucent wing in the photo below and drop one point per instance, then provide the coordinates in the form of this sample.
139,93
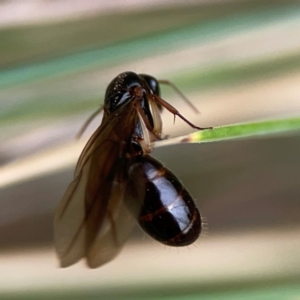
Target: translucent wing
87,219
115,229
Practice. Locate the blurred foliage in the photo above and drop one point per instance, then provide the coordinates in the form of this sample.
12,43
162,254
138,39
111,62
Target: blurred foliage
271,289
34,43
235,74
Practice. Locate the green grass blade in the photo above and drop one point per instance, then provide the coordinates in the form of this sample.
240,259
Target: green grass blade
235,131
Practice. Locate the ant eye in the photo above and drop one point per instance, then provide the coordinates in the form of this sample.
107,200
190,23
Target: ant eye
152,83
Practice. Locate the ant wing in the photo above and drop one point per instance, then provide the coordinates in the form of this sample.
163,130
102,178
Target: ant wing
86,216
115,229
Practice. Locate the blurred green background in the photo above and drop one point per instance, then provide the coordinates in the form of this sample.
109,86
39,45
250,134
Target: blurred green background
237,61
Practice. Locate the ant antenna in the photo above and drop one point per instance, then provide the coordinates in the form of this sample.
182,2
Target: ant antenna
177,90
88,121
